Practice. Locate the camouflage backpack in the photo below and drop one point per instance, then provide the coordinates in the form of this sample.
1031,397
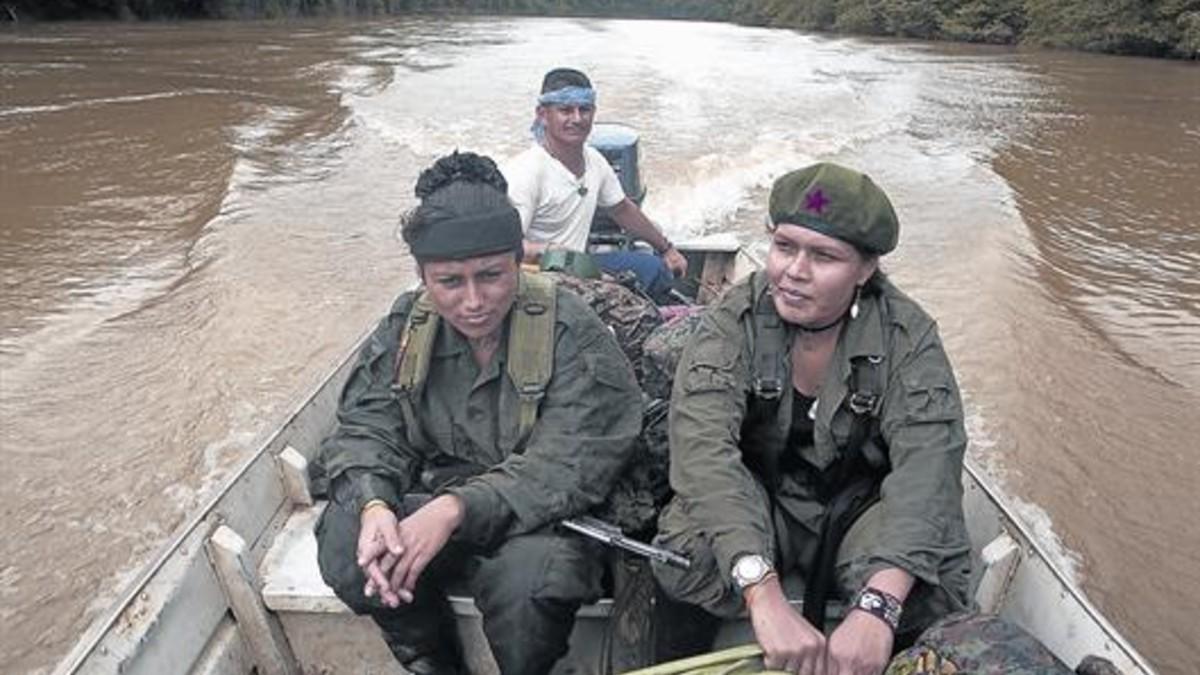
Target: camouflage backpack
630,316
976,644
653,348
660,355
643,489
632,505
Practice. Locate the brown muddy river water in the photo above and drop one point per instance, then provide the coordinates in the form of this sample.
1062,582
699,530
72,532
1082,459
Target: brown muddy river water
197,221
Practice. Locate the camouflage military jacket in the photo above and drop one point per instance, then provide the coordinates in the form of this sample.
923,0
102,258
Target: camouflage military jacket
584,433
714,439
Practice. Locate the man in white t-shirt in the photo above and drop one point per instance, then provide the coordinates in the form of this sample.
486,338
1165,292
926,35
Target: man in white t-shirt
557,184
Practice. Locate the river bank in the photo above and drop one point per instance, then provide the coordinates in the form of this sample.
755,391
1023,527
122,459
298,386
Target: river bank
1166,29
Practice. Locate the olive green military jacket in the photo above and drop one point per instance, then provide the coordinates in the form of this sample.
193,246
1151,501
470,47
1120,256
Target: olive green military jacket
584,433
713,440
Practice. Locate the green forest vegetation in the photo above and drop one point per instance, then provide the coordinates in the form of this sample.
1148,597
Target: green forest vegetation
1167,28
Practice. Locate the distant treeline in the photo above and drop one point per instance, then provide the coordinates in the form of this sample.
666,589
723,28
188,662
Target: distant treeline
1141,27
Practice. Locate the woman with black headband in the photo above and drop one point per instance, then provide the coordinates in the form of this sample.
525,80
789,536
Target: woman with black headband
509,404
817,436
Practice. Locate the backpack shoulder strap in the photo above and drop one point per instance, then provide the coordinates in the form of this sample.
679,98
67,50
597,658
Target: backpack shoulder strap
416,345
412,360
766,335
531,346
868,378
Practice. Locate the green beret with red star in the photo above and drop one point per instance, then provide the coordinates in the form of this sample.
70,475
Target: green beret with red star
838,202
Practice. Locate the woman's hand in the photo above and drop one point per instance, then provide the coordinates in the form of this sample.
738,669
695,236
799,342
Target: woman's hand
423,535
861,645
788,641
378,549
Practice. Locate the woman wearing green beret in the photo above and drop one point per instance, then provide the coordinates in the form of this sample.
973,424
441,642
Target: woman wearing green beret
817,444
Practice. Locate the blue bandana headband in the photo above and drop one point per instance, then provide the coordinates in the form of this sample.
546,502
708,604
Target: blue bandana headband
579,96
569,96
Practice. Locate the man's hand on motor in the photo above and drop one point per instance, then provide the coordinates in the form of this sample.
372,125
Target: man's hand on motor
788,642
379,547
675,261
423,534
861,645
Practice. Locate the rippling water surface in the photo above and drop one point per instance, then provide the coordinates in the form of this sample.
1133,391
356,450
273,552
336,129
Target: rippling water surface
197,221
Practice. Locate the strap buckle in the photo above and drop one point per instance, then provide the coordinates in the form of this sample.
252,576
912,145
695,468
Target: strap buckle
531,392
534,308
768,388
863,403
419,316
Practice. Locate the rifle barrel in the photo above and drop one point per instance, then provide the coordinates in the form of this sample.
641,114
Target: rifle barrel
612,536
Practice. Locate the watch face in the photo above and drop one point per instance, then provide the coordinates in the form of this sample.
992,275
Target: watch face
750,569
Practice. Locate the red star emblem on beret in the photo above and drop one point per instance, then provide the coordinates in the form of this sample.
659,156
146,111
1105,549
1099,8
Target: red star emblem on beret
816,201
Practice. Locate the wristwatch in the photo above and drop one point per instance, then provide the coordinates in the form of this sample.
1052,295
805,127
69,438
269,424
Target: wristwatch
750,569
883,606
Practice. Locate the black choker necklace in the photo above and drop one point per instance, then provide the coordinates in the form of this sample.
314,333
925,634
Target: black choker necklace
821,329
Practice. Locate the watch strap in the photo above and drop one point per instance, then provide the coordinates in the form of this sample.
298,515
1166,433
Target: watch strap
880,604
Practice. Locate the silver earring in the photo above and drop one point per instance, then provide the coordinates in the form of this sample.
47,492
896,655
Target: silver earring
854,305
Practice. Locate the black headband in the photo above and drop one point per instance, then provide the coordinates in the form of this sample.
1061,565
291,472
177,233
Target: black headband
469,236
